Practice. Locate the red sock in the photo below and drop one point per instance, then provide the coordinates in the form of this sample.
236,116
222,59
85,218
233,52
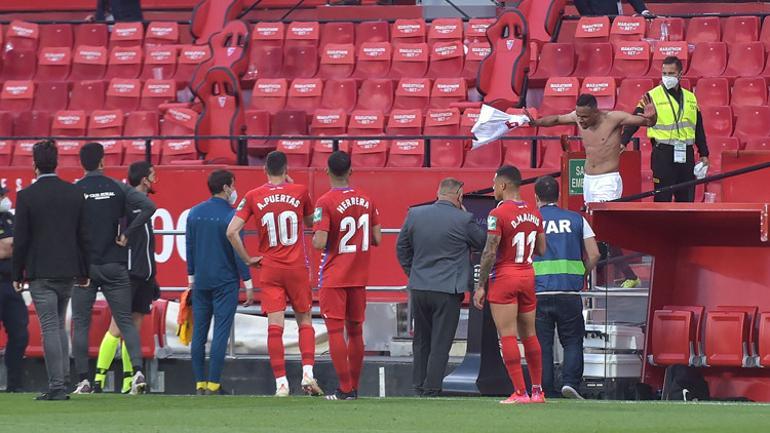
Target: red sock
307,344
534,359
355,351
338,349
512,359
275,350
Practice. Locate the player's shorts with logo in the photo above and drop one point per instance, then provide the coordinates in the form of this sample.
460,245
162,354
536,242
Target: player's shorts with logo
514,287
278,284
343,303
143,292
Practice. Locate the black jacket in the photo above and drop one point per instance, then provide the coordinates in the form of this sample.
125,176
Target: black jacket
141,245
6,231
50,241
108,204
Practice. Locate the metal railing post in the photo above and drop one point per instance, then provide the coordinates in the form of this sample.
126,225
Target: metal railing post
335,145
533,153
148,150
426,154
242,151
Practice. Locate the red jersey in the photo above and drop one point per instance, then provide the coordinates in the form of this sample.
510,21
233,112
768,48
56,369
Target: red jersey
278,210
348,215
518,227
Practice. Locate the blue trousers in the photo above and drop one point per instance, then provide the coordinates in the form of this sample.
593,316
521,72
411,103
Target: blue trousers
219,303
566,313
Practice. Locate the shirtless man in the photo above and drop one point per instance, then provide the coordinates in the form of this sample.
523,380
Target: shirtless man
601,132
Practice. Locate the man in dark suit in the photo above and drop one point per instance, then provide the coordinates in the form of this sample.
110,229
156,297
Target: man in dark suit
433,249
49,252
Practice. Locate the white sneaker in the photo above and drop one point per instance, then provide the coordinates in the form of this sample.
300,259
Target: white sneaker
138,384
282,391
84,387
310,386
570,392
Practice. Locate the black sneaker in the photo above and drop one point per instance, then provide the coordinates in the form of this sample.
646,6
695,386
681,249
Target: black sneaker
339,395
97,388
54,395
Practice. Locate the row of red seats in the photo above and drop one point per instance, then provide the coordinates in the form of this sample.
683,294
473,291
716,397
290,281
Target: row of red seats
727,336
117,94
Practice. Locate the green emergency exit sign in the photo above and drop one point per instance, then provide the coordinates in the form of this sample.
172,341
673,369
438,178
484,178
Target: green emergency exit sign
576,174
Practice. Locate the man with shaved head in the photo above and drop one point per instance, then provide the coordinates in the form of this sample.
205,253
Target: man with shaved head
433,249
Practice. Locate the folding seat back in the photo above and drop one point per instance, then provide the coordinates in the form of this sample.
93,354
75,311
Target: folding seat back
222,115
630,93
477,52
518,151
258,123
22,36
376,95
488,156
108,123
672,338
291,123
751,122
412,93
708,60
367,152
603,88
297,152
123,95
268,33
405,122
54,64
321,151
35,347
305,94
89,63
741,29
749,92
406,153
445,30
342,94
444,152
549,13
93,34
717,121
69,124
269,94
337,61
162,33
190,57
408,31
210,16
18,64
764,35
160,63
661,50
632,59
372,31
56,36
758,143
476,30
6,146
704,29
717,145
87,96
747,59
674,29
300,61
126,35
125,62
559,96
725,339
592,30
178,122
556,60
266,51
550,151
157,92
17,96
338,33
328,122
29,124
303,34
142,123
625,28
446,59
409,60
763,339
503,74
593,60
713,91
447,91
374,59
229,49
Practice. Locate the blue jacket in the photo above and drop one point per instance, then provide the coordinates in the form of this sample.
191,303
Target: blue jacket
561,268
210,257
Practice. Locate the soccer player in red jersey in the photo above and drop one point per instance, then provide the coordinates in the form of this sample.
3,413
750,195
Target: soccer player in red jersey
279,208
515,233
346,224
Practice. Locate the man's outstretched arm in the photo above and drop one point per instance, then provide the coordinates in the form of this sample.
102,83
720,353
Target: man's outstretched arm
561,119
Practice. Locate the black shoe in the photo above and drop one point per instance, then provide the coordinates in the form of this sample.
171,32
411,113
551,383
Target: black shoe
339,395
54,395
97,388
430,393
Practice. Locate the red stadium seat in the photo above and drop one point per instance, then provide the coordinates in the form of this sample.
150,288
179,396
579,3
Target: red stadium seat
123,95
758,143
178,122
626,28
54,64
556,60
741,29
534,57
22,36
35,346
223,115
126,35
747,59
477,52
503,74
368,153
674,27
29,124
17,96
550,150
630,93
305,94
662,50
269,94
763,339
160,63
405,122
18,65
258,123
162,33
6,146
717,145
447,91
327,122
408,31
297,152
292,123
125,62
704,29
749,92
446,59
87,96
593,60
729,336
372,31
632,60
406,153
266,52
89,63
409,60
717,121
752,122
764,35
157,92
338,33
337,61
69,124
447,153
603,88
476,30
190,57
300,61
713,91
518,152
342,94
56,36
445,30
676,336
592,30
708,60
210,16
303,33
559,96
374,59
321,151
412,94
645,148
376,95
108,123
488,156
91,34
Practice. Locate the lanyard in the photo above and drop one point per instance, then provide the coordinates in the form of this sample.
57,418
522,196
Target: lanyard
677,117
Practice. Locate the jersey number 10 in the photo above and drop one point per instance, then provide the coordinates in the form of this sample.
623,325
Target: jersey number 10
349,226
286,224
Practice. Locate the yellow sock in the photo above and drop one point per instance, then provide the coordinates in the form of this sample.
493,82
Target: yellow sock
201,385
213,387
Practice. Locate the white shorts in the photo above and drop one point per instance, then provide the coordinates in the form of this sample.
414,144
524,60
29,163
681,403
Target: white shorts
602,187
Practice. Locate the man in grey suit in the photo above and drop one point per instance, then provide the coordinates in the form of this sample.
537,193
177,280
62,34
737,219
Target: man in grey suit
434,250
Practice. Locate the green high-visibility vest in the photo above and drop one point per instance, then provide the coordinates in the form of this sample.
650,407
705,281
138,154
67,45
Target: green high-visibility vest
675,123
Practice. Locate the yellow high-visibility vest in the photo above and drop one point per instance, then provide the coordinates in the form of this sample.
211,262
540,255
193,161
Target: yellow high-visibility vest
675,124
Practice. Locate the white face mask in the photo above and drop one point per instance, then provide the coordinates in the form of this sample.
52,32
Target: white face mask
233,197
670,82
5,205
